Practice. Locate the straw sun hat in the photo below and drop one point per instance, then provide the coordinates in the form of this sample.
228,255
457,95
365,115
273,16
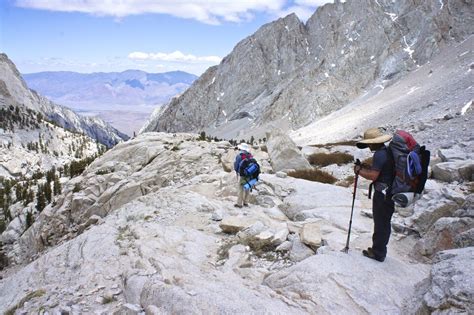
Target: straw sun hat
244,147
373,136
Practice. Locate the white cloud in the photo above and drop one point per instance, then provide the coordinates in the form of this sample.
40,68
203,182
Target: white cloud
175,56
312,3
206,11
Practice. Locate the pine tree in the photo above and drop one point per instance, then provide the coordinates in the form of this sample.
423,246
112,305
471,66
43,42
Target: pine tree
66,169
50,175
202,136
57,186
40,199
29,219
30,196
47,192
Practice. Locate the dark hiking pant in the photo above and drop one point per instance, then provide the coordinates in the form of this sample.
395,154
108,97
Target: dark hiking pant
382,211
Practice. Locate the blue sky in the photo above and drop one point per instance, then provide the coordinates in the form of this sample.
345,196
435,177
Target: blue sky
115,35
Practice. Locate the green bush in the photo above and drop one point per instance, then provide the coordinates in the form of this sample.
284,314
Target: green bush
314,175
325,159
77,188
104,171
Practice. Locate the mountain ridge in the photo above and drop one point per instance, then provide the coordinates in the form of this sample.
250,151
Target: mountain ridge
293,73
16,89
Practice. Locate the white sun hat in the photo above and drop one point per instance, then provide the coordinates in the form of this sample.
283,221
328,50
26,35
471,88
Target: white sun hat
244,147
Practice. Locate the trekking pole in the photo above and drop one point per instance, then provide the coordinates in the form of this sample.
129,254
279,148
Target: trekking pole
346,249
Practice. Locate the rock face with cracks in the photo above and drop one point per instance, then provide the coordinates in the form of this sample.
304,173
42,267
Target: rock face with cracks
293,73
450,287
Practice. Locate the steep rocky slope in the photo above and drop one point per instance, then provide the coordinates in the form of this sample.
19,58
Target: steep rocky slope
434,102
290,73
13,90
153,228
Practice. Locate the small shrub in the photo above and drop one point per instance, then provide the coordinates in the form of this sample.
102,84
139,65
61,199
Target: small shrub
107,299
202,136
314,175
325,159
334,144
28,297
223,251
3,226
77,188
346,182
104,171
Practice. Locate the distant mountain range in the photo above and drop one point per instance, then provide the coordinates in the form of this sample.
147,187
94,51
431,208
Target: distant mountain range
132,92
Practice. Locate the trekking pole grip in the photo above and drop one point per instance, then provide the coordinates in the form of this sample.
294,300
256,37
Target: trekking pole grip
357,163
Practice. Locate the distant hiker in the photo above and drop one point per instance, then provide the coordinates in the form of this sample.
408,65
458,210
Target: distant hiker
247,171
381,173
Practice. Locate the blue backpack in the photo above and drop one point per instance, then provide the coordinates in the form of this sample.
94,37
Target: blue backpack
249,167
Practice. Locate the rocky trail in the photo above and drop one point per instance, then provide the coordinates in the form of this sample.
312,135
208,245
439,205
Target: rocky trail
154,230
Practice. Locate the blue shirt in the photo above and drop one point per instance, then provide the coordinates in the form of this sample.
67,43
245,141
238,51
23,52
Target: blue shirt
383,163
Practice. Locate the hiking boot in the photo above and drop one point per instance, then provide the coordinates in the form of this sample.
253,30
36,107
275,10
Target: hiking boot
246,204
237,205
370,254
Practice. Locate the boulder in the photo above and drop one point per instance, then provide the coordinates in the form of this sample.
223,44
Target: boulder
429,209
450,155
442,235
280,237
299,251
284,153
464,239
339,283
251,231
284,247
262,241
216,215
94,219
311,235
223,145
454,171
227,160
131,309
450,287
13,231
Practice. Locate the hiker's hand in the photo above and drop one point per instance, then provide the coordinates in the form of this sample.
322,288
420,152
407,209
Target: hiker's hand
357,168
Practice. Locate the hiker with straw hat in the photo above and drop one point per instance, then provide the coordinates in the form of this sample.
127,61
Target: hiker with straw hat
381,174
243,194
